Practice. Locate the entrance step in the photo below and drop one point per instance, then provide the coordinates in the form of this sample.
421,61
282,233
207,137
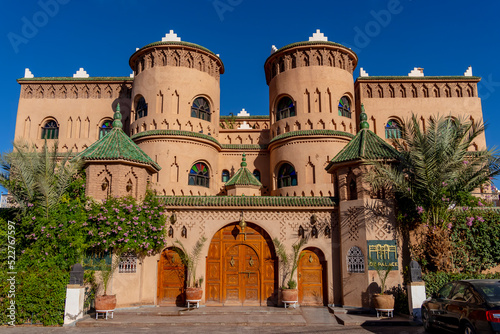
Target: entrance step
205,316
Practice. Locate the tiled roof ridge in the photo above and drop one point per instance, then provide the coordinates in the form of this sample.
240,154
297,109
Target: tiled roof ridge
244,146
180,43
248,201
320,132
175,133
116,145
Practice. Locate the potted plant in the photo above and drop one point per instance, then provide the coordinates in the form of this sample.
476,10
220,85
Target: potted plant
382,300
194,291
103,274
288,265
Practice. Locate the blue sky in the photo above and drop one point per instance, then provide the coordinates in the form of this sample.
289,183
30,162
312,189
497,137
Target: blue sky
391,37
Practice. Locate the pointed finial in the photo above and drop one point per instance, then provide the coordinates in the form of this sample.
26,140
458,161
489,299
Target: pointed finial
117,123
244,160
363,117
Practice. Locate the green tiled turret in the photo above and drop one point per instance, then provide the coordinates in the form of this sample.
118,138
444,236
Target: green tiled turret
243,177
366,145
116,145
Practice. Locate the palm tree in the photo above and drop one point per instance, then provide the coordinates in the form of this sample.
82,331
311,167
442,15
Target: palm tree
436,167
35,177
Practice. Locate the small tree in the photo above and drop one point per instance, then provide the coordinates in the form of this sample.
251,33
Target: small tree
103,271
289,261
383,270
190,260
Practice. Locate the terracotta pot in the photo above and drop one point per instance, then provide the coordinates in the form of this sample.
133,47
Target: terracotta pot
104,303
385,302
290,295
194,293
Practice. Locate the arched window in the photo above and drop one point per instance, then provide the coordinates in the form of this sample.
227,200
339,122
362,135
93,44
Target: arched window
345,107
141,108
285,109
201,109
392,129
50,130
355,260
287,176
256,173
199,176
225,175
105,128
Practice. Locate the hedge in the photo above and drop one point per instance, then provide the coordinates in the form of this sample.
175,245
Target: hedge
435,280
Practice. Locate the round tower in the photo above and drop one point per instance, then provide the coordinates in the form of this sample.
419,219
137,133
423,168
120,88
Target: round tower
311,107
175,113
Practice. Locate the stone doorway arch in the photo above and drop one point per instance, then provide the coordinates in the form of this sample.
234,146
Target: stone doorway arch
241,267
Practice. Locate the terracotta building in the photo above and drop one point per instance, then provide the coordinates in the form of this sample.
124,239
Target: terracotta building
294,173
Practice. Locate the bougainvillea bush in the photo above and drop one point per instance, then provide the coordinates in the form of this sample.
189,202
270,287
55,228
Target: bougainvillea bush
475,238
123,225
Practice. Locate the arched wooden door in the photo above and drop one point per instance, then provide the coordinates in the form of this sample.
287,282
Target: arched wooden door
311,278
241,267
171,278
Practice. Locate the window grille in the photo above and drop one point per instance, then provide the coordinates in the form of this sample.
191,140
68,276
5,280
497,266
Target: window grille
128,264
355,260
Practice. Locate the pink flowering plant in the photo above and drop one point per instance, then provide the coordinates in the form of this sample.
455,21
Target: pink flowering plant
124,225
475,238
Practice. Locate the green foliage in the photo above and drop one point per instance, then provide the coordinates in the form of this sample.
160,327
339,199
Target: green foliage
124,225
383,269
475,236
37,178
435,280
40,296
190,260
400,299
435,168
103,271
289,261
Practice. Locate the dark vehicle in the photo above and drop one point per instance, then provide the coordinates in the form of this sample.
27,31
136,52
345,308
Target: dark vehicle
469,306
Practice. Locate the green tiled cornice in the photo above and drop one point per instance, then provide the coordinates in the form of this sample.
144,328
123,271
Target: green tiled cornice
76,79
266,117
366,145
312,133
244,147
192,45
175,133
116,145
430,78
247,201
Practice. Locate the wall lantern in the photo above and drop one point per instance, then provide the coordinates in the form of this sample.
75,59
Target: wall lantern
314,232
170,231
314,219
243,225
301,231
184,232
104,185
328,231
173,218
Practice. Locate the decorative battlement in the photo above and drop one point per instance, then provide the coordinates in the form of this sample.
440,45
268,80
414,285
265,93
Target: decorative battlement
81,73
318,36
171,37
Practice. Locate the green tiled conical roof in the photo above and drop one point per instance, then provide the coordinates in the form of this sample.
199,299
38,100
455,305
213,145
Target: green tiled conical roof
116,145
366,145
243,177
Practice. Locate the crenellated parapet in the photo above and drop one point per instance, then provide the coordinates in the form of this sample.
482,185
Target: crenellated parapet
178,54
310,53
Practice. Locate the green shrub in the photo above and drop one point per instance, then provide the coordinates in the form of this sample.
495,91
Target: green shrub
39,298
435,281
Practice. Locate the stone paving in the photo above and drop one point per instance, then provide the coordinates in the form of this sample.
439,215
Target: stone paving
266,320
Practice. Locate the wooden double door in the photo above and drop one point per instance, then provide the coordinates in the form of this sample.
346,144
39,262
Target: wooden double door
241,268
312,278
171,278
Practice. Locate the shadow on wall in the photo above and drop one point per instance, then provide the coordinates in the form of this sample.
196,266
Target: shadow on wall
366,296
